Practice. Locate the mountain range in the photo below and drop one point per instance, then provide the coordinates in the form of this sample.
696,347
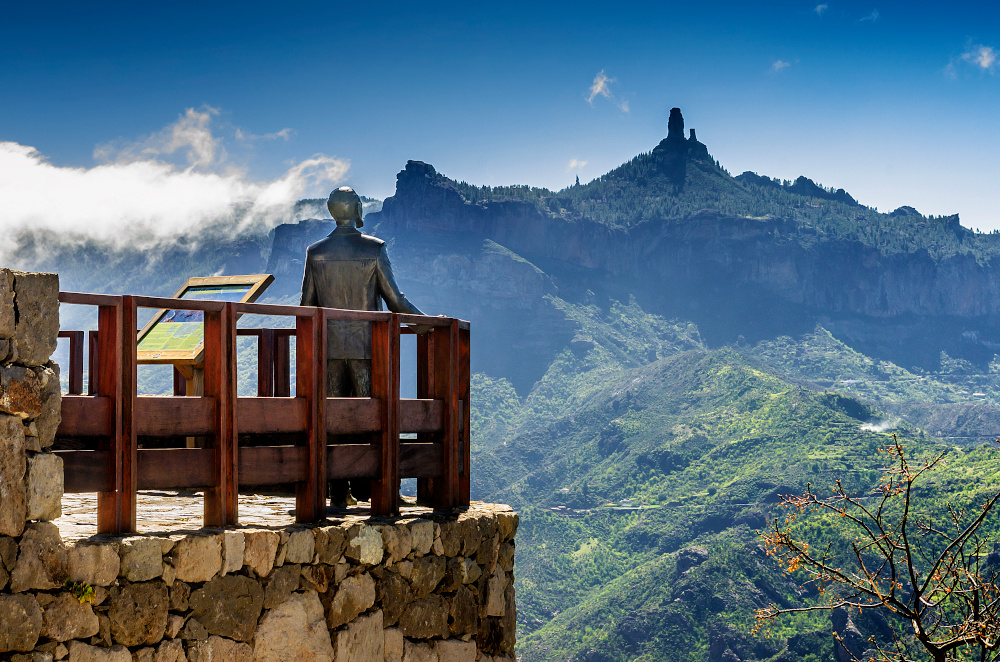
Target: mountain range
657,355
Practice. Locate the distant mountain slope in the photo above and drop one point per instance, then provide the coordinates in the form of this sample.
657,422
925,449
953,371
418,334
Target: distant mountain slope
642,475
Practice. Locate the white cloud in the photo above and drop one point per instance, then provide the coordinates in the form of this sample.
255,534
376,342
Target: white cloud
575,164
819,9
245,136
189,135
778,65
985,58
135,196
602,87
872,17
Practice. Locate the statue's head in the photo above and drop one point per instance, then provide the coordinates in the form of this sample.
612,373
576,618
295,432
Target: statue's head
345,206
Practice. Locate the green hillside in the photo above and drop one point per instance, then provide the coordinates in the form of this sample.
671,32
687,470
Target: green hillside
642,474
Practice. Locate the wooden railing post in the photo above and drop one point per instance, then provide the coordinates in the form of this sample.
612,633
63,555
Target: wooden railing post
310,383
385,386
265,363
75,361
93,362
446,387
464,393
116,376
222,500
282,362
180,382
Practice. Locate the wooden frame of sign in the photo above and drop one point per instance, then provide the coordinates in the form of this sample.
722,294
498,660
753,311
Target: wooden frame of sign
183,352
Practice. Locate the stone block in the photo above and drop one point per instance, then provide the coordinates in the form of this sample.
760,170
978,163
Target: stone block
397,542
48,420
6,304
81,652
174,625
393,593
67,618
13,465
317,577
233,546
425,618
180,595
260,550
141,559
507,522
364,544
170,650
300,547
421,536
363,640
508,623
393,651
193,630
418,651
427,573
453,650
354,596
296,630
451,538
280,585
41,561
495,585
20,622
36,327
467,528
330,543
95,564
138,613
44,486
6,344
506,556
464,612
218,649
197,558
229,606
468,571
21,391
8,552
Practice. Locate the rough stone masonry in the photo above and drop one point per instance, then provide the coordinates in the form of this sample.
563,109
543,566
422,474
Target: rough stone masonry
426,586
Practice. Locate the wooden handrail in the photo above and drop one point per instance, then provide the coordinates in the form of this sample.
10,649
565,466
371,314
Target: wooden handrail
113,417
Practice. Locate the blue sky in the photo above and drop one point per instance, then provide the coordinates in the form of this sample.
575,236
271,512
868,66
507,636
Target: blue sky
895,102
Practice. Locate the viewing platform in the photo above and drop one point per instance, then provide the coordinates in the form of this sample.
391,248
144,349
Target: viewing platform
283,435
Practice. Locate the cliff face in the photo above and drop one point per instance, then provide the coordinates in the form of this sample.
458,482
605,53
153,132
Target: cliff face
733,275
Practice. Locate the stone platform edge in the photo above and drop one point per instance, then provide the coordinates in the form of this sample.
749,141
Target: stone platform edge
427,587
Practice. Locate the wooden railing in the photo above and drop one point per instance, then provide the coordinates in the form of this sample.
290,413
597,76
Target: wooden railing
112,416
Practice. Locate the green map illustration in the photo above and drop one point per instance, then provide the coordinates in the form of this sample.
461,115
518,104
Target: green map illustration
183,330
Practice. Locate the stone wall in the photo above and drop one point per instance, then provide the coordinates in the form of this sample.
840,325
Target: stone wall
423,587
30,476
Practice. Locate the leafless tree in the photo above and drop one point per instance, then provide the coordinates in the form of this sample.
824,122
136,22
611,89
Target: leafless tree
929,576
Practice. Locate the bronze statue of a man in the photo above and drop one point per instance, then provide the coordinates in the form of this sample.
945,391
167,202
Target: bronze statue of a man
350,270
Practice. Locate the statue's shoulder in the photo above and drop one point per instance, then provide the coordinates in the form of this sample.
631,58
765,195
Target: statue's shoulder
373,240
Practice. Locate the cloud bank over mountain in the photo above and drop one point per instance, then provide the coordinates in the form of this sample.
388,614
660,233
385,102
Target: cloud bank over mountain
179,180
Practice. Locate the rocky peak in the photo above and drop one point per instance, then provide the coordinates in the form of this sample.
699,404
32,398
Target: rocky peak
905,210
675,125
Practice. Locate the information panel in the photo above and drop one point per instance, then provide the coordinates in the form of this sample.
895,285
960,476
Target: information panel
178,336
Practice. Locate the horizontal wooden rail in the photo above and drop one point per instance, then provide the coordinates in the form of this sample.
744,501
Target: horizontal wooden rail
316,429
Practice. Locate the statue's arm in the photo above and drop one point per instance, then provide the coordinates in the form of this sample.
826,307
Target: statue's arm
394,299
309,297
